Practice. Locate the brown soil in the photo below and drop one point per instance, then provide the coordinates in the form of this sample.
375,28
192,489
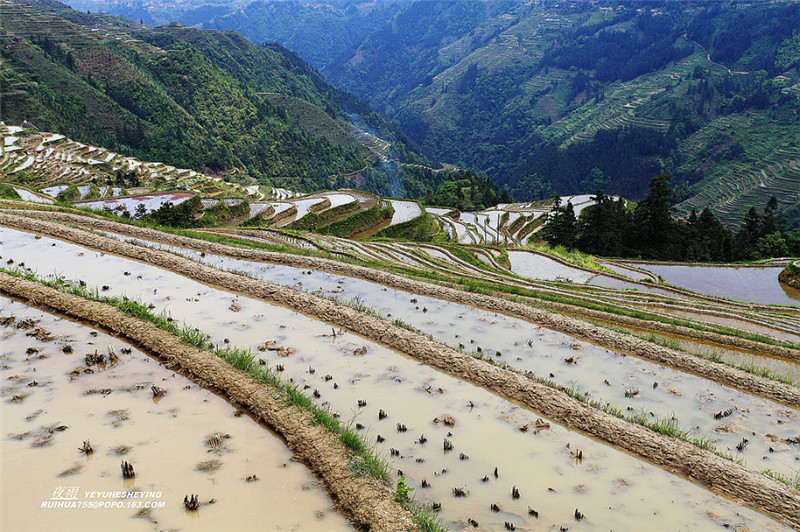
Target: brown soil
680,457
368,503
739,379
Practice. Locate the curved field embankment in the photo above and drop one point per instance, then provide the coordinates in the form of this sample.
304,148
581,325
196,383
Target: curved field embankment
656,326
767,325
739,379
683,458
368,503
509,281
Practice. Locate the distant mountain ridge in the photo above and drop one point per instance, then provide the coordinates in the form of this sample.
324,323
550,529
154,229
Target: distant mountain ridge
318,30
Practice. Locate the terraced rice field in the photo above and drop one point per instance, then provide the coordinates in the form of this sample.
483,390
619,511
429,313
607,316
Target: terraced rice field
404,211
622,102
52,402
476,450
151,202
52,162
367,376
510,342
749,181
755,284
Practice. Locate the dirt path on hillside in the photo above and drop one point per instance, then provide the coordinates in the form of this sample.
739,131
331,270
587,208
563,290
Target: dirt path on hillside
712,471
368,503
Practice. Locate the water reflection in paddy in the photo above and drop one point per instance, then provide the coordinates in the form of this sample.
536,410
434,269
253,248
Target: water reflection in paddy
753,284
610,487
164,440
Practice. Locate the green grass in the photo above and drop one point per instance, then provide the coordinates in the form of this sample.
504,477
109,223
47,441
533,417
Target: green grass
6,192
572,256
359,222
791,274
402,490
425,517
669,426
793,480
194,337
427,520
668,342
419,229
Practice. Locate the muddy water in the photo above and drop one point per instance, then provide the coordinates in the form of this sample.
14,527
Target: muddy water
164,439
733,324
610,487
785,368
749,284
629,383
535,266
618,284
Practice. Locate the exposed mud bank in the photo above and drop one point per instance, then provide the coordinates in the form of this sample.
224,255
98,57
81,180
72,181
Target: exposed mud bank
704,467
368,503
575,327
791,275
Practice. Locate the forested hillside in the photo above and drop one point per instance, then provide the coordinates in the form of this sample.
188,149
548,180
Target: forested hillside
566,98
211,101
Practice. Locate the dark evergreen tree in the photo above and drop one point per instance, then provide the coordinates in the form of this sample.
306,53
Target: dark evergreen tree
769,224
602,226
747,238
562,229
655,227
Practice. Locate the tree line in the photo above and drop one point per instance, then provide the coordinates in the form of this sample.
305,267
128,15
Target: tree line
648,230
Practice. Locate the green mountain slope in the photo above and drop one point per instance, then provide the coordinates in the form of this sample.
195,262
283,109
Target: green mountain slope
190,98
566,98
546,98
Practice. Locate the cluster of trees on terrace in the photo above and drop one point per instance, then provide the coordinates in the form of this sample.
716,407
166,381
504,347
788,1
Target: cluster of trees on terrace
467,192
612,228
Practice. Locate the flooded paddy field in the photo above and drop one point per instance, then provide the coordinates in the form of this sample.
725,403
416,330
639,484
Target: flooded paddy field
535,266
785,331
756,284
783,368
629,383
150,201
52,402
610,488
